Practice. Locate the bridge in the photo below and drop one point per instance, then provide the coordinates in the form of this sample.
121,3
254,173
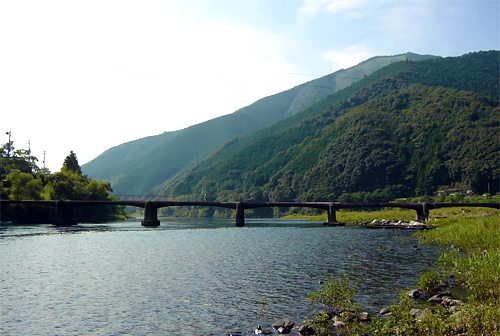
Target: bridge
64,209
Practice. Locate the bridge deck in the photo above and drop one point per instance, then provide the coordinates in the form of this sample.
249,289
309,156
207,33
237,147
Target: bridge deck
64,208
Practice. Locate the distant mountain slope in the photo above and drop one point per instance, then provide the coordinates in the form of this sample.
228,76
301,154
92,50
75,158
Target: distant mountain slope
139,166
402,131
117,158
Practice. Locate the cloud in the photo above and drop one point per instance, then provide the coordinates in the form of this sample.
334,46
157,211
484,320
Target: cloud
348,56
313,7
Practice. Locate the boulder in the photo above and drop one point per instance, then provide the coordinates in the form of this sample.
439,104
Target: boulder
446,300
436,299
453,309
260,331
384,311
364,316
306,330
339,324
285,323
419,314
283,326
414,312
455,303
414,293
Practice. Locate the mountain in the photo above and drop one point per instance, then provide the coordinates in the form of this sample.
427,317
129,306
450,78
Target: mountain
139,166
405,130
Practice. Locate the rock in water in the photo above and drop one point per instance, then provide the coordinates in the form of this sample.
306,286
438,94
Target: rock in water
414,293
283,326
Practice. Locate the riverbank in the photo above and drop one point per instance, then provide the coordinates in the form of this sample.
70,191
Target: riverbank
354,217
470,266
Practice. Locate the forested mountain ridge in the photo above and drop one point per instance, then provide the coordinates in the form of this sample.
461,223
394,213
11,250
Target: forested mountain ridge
423,125
139,166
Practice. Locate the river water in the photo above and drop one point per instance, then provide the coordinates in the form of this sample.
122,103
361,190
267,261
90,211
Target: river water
190,276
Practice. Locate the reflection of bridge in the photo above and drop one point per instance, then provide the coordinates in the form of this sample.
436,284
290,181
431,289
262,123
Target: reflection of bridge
64,209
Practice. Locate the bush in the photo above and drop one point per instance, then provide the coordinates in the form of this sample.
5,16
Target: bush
336,296
428,282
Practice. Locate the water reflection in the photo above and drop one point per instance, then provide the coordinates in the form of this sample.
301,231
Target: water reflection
134,224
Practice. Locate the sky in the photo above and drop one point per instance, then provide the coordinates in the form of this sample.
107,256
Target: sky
85,76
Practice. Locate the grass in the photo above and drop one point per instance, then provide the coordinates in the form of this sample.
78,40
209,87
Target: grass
471,234
472,262
350,216
356,217
478,269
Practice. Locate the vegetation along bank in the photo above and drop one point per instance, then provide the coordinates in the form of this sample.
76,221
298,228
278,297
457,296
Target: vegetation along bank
22,179
460,295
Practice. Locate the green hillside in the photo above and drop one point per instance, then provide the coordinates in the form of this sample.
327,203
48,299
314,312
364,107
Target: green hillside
139,166
403,131
119,158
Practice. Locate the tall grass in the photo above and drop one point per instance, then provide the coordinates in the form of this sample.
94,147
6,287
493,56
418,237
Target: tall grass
473,262
469,234
478,269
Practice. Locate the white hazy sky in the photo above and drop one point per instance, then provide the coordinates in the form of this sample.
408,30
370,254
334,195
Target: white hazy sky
85,76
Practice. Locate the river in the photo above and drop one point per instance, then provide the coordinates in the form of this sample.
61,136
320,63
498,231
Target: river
190,276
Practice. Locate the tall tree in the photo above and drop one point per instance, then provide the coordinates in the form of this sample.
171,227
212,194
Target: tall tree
71,164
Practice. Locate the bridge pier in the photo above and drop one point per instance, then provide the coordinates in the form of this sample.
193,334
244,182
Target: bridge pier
64,215
423,213
240,215
150,215
331,214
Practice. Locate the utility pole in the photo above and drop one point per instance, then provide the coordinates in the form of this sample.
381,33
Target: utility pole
9,133
43,160
29,156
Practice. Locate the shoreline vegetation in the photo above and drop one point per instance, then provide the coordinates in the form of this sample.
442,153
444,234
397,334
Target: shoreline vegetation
22,179
460,295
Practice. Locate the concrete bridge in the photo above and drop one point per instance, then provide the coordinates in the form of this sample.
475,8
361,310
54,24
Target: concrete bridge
64,209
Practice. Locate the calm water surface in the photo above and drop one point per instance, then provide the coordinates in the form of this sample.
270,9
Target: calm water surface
190,276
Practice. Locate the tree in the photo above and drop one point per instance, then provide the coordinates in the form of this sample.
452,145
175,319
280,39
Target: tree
23,186
61,185
71,164
20,159
22,180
